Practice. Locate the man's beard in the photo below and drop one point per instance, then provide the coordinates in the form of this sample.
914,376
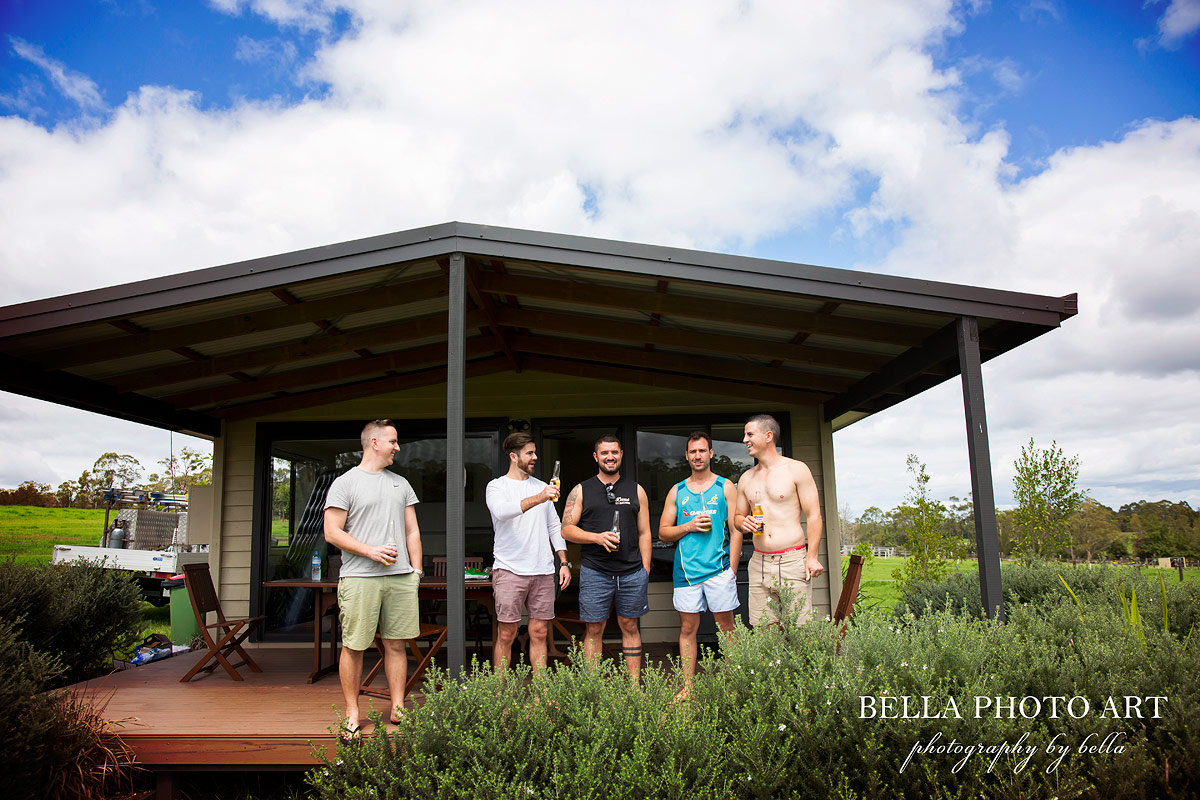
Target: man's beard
527,467
610,470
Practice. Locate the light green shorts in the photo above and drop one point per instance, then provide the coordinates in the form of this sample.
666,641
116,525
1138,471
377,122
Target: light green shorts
387,603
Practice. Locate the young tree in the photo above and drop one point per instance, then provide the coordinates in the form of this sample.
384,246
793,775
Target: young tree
188,468
928,545
1046,491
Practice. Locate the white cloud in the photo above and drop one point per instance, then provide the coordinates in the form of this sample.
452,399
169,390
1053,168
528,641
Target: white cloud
306,15
74,85
675,123
1180,20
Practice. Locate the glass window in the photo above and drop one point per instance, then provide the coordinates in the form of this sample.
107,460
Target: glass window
662,463
300,473
730,458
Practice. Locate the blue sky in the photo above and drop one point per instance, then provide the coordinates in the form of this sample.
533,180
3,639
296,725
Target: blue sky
1042,146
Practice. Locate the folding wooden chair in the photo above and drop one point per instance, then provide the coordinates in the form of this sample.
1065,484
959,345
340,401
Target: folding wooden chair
436,634
845,606
232,631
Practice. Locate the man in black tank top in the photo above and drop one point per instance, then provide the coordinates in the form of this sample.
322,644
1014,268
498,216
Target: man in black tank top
609,516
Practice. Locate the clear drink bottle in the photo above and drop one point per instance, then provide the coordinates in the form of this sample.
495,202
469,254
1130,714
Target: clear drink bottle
391,541
616,526
555,480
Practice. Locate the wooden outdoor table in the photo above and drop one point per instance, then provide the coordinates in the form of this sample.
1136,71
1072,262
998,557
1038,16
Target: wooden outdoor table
325,598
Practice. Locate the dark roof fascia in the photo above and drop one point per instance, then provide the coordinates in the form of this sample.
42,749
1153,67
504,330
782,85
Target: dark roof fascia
793,278
22,377
574,251
215,283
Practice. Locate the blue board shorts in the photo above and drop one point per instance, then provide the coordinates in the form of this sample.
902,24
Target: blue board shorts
598,591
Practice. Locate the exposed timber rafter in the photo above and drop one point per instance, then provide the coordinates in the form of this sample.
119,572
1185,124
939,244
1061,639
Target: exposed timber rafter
718,310
380,335
641,333
399,362
658,380
247,323
354,391
684,364
906,367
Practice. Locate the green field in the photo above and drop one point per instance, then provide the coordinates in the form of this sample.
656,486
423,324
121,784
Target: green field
878,587
28,533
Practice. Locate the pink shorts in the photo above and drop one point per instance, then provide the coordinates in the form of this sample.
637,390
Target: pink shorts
516,592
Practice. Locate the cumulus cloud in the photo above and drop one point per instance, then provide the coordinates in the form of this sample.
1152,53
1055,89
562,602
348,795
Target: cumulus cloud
1180,20
306,15
73,85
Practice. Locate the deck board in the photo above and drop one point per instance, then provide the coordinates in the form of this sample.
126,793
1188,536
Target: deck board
271,720
266,721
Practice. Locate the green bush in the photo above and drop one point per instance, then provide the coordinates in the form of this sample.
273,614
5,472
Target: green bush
781,715
80,614
52,744
1040,584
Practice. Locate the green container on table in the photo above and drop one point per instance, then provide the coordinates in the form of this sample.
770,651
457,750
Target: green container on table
183,619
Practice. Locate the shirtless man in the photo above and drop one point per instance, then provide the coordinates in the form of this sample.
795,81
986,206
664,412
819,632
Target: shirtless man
788,494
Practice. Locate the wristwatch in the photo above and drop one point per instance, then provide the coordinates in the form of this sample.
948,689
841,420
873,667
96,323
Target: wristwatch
420,572
566,564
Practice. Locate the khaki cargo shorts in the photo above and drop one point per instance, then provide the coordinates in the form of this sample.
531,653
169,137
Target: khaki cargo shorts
768,570
387,603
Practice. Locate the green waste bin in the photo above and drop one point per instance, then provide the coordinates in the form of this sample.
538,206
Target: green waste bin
183,619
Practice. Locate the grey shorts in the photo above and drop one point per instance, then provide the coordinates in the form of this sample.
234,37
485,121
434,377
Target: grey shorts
516,592
598,591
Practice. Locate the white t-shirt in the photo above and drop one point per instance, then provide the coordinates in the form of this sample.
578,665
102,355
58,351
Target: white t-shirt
374,503
525,543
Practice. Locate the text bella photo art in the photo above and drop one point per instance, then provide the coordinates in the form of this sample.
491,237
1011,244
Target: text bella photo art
1056,745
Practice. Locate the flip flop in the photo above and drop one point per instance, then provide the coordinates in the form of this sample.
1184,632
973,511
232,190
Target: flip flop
349,735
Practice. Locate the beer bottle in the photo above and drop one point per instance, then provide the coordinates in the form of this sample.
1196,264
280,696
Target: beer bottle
757,516
555,480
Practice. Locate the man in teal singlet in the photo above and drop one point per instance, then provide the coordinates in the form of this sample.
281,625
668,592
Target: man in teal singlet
696,515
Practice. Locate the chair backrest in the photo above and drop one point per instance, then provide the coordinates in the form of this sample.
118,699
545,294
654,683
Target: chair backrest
201,591
845,606
470,562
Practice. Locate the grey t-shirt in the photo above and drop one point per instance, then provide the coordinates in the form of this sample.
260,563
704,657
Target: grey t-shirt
374,503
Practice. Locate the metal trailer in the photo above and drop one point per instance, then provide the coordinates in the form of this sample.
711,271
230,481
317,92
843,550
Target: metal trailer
154,544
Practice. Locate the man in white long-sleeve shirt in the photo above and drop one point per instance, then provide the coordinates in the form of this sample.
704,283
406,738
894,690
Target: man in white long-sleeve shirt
529,551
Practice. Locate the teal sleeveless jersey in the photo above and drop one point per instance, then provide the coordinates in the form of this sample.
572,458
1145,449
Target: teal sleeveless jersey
700,556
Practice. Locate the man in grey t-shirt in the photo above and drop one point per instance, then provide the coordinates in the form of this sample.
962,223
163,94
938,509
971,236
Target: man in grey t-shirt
370,515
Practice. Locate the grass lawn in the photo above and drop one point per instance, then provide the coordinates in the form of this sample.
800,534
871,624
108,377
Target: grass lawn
879,588
28,533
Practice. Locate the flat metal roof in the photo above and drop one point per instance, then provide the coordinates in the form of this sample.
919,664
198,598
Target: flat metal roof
244,340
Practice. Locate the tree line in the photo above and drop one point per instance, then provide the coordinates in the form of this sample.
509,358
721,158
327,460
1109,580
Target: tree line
114,470
1053,520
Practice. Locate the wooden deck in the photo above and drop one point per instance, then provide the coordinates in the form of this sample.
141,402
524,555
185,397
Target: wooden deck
266,721
273,720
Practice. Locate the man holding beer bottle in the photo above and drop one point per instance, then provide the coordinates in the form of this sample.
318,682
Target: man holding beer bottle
529,550
696,515
371,516
773,498
609,515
